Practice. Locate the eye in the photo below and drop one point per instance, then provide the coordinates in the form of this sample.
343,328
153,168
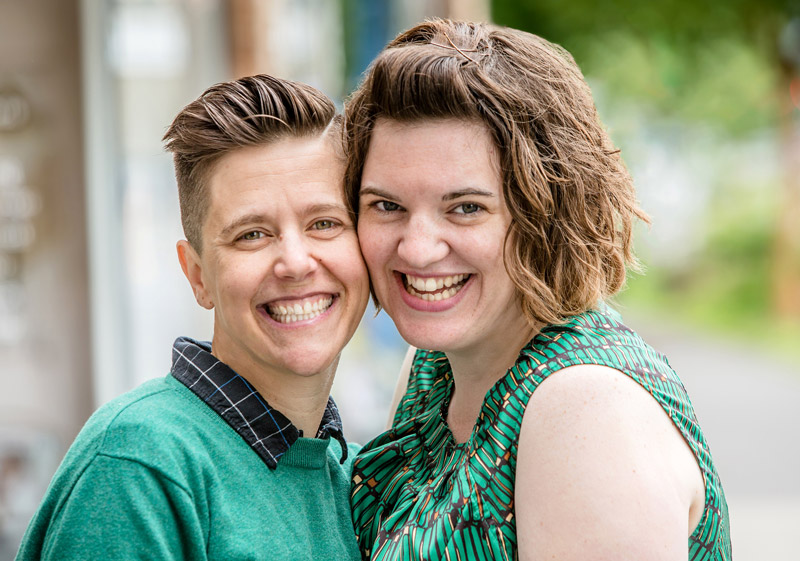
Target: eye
467,208
324,224
386,206
252,236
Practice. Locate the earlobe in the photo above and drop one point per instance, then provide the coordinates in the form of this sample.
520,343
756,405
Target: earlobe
193,270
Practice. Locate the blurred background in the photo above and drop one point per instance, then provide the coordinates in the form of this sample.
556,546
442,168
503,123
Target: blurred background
702,98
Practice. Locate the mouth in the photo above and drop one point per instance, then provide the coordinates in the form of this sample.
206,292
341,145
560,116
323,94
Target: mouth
434,289
303,309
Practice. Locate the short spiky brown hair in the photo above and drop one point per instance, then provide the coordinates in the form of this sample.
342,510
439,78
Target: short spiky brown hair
250,111
571,199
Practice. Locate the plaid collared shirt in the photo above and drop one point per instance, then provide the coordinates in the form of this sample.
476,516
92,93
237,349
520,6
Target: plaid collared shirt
268,432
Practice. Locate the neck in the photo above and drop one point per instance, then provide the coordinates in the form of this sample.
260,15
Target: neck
300,398
475,371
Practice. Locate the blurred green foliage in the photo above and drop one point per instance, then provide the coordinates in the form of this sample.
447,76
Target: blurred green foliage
726,83
710,65
727,289
702,61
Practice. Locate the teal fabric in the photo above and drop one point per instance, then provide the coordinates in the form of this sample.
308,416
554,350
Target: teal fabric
157,474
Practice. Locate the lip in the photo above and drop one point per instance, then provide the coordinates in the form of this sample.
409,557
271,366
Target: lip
263,309
424,305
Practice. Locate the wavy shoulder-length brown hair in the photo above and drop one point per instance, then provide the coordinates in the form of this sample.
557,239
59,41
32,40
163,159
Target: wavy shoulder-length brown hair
571,199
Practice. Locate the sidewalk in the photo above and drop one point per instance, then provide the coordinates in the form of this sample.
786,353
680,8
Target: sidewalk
748,404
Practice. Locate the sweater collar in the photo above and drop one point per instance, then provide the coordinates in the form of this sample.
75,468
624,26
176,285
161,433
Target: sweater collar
268,432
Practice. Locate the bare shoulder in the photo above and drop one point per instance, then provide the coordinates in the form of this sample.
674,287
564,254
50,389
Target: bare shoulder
579,393
601,469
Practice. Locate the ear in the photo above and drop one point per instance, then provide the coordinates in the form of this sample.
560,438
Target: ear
193,269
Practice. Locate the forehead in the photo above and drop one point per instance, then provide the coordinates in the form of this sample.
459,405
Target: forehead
446,136
273,181
439,149
289,157
279,172
437,127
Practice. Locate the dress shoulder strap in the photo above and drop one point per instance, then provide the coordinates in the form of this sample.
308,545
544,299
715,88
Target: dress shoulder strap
426,388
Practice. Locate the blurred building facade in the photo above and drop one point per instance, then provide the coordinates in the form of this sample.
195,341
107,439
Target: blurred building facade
44,298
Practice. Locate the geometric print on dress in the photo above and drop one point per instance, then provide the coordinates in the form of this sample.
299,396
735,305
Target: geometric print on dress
418,495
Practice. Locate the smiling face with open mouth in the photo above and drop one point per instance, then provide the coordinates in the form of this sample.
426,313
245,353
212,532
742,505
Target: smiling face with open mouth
280,263
432,225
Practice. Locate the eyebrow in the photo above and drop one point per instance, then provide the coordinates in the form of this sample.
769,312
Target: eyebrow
241,221
257,218
375,191
468,192
324,207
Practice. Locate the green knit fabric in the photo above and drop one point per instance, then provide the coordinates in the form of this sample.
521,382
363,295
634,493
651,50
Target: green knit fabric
157,474
419,495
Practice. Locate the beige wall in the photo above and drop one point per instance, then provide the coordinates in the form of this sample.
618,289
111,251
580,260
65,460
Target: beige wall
45,374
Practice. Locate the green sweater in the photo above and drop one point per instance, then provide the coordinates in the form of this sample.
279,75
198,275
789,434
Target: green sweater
157,474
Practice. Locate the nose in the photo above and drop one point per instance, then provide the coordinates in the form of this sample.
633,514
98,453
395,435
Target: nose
295,259
422,243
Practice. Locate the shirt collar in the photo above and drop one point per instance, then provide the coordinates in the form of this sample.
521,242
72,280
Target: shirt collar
268,432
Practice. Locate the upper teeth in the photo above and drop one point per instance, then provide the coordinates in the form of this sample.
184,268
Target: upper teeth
288,313
430,284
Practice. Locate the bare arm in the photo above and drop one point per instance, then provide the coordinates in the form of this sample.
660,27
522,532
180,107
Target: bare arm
402,384
602,473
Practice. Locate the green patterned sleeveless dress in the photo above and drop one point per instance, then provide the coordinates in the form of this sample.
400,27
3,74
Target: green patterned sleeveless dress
418,495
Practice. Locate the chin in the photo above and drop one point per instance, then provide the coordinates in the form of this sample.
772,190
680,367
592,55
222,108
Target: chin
308,366
429,338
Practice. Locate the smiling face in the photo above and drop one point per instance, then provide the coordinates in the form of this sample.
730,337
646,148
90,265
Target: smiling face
280,262
432,224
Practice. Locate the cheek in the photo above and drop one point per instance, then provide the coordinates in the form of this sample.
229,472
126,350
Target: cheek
486,244
345,262
239,277
375,245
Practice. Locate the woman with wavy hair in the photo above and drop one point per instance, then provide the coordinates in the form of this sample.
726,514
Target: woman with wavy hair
495,217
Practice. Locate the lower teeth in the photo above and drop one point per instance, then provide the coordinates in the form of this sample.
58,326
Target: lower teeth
292,318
